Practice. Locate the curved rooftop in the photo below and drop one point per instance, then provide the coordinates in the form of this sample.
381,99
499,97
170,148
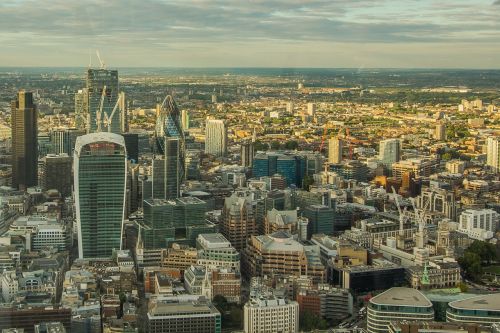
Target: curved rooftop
400,296
86,139
489,302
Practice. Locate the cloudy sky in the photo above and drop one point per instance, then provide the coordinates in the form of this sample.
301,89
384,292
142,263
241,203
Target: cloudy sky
252,33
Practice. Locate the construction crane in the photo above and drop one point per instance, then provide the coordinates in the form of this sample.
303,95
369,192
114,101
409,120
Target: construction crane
422,225
323,138
103,65
108,120
401,212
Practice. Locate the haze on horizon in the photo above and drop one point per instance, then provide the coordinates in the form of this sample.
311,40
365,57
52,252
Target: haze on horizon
259,33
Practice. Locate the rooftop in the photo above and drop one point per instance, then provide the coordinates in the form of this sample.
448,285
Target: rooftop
402,297
490,302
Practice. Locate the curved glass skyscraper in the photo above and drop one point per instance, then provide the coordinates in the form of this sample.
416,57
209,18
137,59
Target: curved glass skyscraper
100,173
168,170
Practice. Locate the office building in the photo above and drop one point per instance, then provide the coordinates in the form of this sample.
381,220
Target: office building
479,224
26,317
238,219
397,304
271,314
63,140
291,165
419,167
389,152
311,109
247,154
214,251
326,302
183,316
56,173
440,132
123,109
456,166
100,174
50,327
82,109
185,120
405,326
132,145
216,137
335,146
483,310
102,90
280,253
320,219
24,122
175,220
351,170
170,145
493,153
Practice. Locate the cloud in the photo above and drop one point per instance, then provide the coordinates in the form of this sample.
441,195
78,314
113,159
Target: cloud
167,26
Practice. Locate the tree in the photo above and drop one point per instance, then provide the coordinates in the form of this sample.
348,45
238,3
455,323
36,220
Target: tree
309,321
463,287
275,145
291,145
258,145
471,264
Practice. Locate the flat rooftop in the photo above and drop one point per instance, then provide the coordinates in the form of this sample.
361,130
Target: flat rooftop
490,302
402,297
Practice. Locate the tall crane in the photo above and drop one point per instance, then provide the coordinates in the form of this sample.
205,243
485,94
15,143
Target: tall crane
422,225
98,118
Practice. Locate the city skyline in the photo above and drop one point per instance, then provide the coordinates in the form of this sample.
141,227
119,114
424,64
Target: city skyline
329,34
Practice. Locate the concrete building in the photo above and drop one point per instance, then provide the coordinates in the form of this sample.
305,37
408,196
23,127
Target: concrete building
56,173
397,304
389,152
493,153
440,132
419,167
455,166
483,310
216,137
335,146
327,302
279,253
479,224
183,316
271,314
215,251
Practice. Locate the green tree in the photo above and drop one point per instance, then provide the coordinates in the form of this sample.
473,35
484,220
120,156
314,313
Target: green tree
275,145
258,145
309,321
291,145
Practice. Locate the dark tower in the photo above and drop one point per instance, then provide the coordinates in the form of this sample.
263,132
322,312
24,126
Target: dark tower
24,141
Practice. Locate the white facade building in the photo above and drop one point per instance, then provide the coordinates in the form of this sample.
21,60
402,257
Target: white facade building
216,137
493,153
271,314
479,224
389,152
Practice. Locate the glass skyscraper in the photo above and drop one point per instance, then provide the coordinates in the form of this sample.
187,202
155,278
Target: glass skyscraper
100,172
97,79
170,145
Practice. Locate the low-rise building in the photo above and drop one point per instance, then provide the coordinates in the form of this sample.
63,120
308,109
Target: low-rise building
271,314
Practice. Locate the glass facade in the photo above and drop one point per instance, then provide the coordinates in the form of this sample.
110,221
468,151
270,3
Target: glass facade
97,79
100,174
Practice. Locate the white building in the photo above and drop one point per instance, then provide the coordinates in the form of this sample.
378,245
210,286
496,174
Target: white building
478,224
335,146
455,166
311,109
9,284
389,152
216,137
271,314
493,153
51,236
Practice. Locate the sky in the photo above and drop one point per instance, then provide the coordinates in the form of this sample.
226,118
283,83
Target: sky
252,33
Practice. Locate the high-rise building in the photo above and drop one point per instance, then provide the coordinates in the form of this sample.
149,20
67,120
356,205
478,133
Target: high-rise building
440,132
63,140
238,218
170,145
271,314
82,109
24,141
216,137
247,153
320,219
56,173
102,87
335,146
185,120
123,107
311,109
389,152
100,177
292,166
493,153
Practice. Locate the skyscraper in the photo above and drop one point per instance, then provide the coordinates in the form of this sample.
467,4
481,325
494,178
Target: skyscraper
216,137
440,132
493,153
63,139
82,109
389,152
97,80
170,145
24,141
100,173
247,153
335,146
185,120
123,106
56,173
